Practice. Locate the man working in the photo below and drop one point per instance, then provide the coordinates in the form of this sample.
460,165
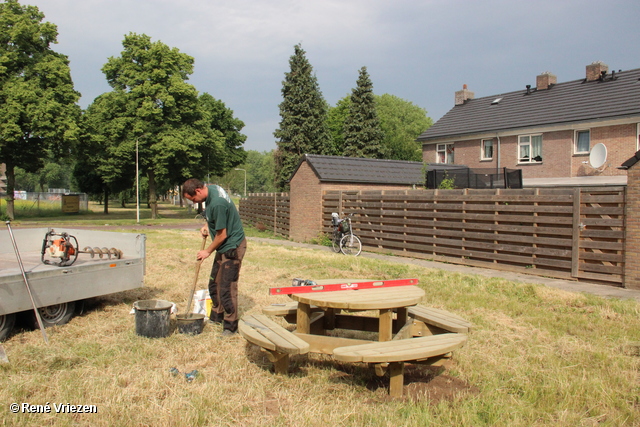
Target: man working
228,240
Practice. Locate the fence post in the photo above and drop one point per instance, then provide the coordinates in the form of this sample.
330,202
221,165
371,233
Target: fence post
275,214
631,273
575,234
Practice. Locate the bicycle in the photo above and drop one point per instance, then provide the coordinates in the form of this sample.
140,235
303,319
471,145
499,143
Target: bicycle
343,240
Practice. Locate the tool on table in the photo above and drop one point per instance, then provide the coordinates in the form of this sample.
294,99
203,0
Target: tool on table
64,248
301,286
3,355
195,280
26,283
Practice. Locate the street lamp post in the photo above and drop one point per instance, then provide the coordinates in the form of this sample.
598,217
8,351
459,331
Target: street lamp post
137,187
245,180
138,182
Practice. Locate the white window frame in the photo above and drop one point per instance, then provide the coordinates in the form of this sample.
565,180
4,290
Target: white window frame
445,151
526,141
483,150
576,140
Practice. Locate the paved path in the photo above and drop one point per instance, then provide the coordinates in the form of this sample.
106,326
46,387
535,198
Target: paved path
567,285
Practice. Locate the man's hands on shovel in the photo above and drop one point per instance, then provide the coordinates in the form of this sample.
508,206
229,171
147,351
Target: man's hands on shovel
216,241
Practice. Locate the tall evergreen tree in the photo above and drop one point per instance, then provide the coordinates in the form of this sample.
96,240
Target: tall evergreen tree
303,125
362,133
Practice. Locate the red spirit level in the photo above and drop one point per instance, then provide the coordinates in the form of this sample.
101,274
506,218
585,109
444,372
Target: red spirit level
308,286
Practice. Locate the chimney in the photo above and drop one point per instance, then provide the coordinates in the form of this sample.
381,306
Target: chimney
545,80
463,95
594,71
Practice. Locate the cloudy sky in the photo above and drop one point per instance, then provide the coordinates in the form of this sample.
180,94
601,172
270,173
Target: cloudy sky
419,50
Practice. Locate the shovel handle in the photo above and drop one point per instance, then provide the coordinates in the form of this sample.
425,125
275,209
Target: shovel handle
26,283
195,280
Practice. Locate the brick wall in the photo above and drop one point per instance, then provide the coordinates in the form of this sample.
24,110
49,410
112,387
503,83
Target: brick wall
621,145
306,201
305,204
631,278
558,159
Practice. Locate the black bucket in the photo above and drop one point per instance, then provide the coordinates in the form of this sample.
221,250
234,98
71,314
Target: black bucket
191,323
152,318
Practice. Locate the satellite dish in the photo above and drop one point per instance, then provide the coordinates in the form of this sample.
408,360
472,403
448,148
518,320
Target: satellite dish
598,155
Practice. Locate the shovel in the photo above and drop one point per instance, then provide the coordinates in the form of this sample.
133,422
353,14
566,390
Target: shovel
26,283
195,280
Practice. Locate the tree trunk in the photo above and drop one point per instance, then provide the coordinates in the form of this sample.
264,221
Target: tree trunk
180,196
106,201
11,185
153,201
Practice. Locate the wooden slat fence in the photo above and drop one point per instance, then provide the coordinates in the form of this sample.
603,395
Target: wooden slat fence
269,209
562,232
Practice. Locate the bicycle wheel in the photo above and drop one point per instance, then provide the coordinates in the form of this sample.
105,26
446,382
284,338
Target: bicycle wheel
350,245
335,242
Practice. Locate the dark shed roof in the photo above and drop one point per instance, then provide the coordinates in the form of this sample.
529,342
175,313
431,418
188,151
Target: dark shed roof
359,170
563,103
631,161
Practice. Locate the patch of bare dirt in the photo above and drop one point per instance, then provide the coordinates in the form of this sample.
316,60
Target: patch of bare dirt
427,384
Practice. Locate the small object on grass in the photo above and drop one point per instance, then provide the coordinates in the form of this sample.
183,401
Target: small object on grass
3,355
190,376
174,371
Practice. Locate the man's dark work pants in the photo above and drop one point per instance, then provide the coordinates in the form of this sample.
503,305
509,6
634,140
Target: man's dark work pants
223,287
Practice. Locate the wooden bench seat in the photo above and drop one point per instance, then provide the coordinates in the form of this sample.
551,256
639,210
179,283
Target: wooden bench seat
401,350
278,342
440,318
395,353
284,309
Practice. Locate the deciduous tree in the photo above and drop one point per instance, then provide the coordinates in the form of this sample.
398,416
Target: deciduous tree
221,119
401,122
38,104
154,108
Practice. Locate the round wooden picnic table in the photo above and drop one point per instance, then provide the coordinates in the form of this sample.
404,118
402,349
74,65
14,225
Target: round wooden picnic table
385,300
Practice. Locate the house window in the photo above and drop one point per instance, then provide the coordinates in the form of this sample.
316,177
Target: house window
487,149
444,153
529,148
583,141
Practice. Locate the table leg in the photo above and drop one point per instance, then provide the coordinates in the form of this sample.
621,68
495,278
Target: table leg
329,321
303,323
396,379
401,320
280,362
386,325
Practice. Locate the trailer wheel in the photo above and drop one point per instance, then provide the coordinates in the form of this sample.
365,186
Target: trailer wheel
57,314
6,324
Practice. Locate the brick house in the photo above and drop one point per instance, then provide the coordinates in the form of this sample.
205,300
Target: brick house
548,130
316,174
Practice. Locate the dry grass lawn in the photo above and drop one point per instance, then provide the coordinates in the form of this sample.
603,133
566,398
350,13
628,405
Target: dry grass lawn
537,356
